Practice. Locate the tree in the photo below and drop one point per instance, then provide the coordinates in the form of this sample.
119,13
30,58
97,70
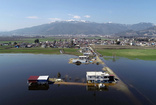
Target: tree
58,74
36,41
54,42
118,42
15,43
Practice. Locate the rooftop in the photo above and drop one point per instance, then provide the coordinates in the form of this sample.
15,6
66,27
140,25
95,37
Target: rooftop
97,73
33,78
45,77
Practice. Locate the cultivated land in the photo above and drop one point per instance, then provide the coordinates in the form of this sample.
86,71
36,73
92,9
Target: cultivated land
143,54
71,51
27,39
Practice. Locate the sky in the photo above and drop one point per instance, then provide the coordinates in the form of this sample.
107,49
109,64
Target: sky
16,14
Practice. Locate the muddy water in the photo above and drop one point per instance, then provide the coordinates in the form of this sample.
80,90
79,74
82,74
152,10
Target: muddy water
16,68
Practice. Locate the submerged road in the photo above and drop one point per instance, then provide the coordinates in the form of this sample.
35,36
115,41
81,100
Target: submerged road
82,84
121,86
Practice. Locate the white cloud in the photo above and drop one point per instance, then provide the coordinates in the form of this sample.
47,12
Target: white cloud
76,17
32,17
70,20
55,19
87,16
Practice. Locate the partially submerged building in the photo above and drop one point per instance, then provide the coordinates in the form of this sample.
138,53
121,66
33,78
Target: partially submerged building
38,79
99,77
84,57
81,59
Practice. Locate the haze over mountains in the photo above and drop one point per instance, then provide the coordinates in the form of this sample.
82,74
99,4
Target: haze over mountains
80,27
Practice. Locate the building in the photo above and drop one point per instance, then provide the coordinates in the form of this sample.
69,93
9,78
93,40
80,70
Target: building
99,77
38,79
83,57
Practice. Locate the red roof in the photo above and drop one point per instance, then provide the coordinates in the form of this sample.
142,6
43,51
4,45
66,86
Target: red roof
33,78
111,75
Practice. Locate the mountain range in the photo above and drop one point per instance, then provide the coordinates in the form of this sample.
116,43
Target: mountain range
79,27
146,32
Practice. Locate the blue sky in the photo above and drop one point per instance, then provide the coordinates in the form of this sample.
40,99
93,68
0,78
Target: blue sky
15,14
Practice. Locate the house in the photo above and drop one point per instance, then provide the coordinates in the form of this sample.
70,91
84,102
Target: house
86,53
5,44
43,45
38,79
99,77
29,46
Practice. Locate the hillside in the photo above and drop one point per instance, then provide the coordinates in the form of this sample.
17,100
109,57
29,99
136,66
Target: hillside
146,32
78,27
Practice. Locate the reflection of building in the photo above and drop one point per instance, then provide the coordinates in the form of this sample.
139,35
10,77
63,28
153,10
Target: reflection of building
96,88
35,86
99,77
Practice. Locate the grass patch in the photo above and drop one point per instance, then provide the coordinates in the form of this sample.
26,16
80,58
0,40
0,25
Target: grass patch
143,54
71,51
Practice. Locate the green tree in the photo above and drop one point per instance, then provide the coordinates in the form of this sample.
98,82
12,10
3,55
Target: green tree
15,43
36,40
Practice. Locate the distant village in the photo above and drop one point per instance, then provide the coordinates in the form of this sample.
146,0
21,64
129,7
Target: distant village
78,42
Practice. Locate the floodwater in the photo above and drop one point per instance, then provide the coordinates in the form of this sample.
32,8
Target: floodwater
15,69
138,75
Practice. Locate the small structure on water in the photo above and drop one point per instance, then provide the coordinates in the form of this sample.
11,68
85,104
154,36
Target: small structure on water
38,79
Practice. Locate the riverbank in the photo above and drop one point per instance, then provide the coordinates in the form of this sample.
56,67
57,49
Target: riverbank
71,51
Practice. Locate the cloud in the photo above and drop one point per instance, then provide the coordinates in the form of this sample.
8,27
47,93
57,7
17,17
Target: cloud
87,16
55,19
76,17
70,20
32,17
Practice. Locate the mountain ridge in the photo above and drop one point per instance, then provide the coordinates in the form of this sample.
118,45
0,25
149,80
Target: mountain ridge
146,32
79,27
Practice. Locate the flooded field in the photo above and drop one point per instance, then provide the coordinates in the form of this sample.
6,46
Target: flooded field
15,69
138,75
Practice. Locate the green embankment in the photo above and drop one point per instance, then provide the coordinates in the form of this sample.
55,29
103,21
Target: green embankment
71,51
143,54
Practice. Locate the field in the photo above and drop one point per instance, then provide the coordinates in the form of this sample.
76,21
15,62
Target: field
71,51
27,39
143,54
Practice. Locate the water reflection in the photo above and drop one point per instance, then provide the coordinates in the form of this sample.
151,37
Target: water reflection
96,88
35,86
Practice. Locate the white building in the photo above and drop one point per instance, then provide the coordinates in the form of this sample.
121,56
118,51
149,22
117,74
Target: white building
99,77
